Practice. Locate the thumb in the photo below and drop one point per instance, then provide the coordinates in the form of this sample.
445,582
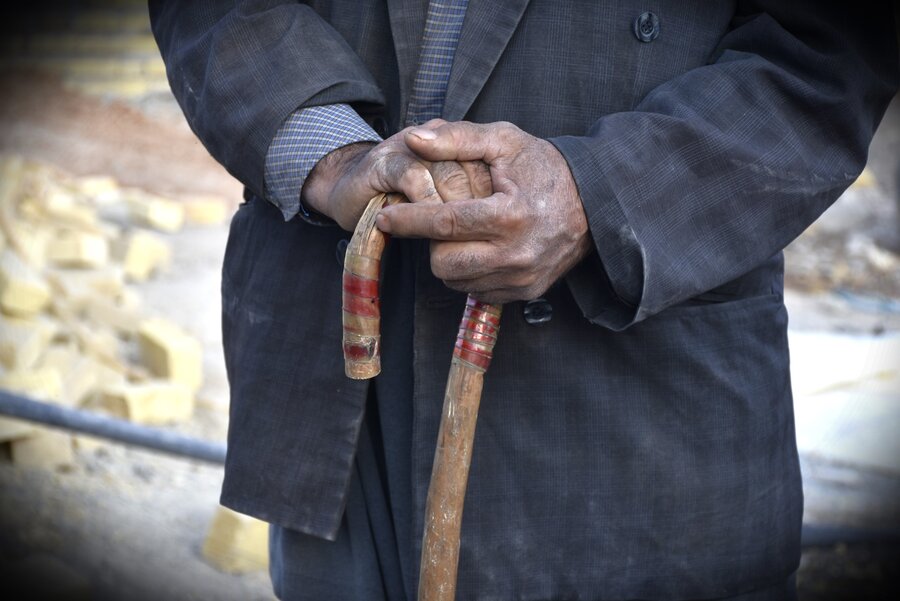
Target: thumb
458,141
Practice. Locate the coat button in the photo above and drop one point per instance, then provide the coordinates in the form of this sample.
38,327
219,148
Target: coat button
646,27
538,311
341,251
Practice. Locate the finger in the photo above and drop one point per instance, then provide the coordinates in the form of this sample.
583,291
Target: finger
463,261
469,219
461,141
400,172
491,289
451,180
479,178
485,290
499,296
432,124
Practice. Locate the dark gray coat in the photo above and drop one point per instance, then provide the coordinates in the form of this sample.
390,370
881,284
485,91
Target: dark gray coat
641,443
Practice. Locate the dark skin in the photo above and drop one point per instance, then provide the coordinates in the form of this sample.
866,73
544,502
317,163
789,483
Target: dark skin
342,183
511,245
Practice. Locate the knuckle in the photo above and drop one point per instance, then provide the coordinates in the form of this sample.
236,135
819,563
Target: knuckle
456,180
455,265
527,281
507,132
525,258
506,127
448,172
415,177
511,215
444,223
411,175
384,165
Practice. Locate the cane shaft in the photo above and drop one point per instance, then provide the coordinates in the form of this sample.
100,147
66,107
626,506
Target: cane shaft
453,455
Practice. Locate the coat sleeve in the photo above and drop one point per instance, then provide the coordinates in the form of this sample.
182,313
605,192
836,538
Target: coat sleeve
720,168
239,68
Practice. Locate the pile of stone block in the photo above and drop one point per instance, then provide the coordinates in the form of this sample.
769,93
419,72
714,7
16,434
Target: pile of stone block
72,329
236,543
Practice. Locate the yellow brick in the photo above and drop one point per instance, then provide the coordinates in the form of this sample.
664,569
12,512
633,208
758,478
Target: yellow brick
44,449
31,210
159,213
22,292
79,286
145,254
866,179
151,402
105,375
168,352
61,206
205,211
11,429
71,248
236,542
34,243
129,88
90,44
100,189
154,67
22,341
105,341
93,68
108,313
88,444
129,299
80,374
44,384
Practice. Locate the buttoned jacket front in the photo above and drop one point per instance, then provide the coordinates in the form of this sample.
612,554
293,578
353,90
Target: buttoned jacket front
640,444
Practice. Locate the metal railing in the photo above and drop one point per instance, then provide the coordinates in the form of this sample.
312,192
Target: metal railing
95,424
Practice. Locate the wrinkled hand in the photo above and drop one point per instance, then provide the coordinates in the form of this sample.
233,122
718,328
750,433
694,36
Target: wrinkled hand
512,245
342,183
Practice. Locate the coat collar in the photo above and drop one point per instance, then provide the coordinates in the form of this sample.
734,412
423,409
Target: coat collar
488,27
486,31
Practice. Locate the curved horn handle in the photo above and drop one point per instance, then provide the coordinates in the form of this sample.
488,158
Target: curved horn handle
362,313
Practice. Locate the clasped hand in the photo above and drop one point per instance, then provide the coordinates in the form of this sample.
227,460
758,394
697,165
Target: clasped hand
499,205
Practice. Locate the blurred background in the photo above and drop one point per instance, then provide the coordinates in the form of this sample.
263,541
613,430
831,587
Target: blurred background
113,222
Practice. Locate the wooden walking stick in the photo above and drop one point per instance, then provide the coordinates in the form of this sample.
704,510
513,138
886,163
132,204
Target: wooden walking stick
471,358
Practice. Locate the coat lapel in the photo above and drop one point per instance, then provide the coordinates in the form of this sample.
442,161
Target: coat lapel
486,31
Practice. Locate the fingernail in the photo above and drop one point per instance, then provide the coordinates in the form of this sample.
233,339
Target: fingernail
422,133
383,223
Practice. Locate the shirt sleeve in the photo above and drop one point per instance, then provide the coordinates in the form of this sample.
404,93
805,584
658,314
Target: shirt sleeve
303,139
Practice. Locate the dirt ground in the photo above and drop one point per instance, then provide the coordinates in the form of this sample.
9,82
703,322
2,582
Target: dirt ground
132,522
152,148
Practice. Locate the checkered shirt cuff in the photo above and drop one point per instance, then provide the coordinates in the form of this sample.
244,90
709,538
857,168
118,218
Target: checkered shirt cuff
303,139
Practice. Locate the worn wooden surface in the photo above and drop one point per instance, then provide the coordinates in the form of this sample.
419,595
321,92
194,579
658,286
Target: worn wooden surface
450,472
